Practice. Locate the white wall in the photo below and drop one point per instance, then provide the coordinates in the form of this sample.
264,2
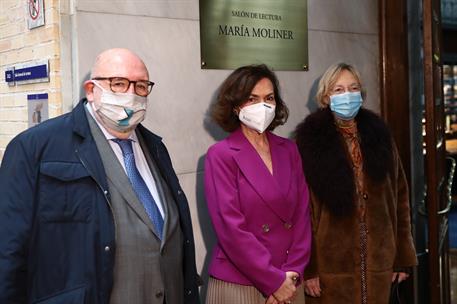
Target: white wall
166,35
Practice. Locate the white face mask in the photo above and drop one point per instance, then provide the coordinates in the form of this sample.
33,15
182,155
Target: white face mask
257,116
121,112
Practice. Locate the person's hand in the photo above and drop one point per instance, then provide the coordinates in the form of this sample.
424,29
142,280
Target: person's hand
286,292
271,300
313,287
293,275
401,276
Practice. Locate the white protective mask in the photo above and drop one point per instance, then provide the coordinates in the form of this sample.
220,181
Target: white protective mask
257,116
121,112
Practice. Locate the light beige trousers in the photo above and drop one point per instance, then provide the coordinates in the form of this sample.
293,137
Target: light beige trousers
221,292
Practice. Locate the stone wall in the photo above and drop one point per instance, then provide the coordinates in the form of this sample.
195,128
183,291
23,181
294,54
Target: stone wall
19,45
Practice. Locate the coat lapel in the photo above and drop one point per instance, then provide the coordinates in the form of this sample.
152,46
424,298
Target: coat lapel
273,189
86,151
280,156
151,143
122,183
151,158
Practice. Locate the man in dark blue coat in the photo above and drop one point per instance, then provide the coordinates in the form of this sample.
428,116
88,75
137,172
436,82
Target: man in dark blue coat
91,210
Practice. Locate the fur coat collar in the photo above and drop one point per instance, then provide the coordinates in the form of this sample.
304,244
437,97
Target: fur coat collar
326,161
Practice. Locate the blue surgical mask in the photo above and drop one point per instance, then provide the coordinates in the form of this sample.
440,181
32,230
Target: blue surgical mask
347,105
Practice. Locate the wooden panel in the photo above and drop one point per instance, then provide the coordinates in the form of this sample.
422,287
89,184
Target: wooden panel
394,88
394,79
435,157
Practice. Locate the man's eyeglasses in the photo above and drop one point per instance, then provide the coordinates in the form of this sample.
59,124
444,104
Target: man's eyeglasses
121,85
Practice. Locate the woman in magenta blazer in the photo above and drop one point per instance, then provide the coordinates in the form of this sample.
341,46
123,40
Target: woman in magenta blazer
256,195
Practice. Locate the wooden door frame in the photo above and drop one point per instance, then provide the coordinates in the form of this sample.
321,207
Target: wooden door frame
395,108
432,66
432,201
394,75
394,88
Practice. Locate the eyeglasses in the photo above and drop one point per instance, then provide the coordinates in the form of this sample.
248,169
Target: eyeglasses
121,85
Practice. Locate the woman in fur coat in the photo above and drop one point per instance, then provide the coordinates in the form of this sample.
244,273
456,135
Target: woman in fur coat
362,238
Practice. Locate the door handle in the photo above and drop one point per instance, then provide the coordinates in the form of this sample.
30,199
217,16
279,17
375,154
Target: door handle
449,186
422,208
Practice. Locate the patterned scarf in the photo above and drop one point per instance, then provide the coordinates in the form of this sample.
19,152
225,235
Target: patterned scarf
350,135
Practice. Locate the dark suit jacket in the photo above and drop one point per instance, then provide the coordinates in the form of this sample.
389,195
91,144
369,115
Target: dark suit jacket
57,234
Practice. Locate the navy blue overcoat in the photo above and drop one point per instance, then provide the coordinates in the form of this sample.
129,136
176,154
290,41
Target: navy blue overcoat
56,226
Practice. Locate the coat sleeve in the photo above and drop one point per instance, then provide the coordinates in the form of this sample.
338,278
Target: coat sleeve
300,251
241,246
406,253
17,177
312,270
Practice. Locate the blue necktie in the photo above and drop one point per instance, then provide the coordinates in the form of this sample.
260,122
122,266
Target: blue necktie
139,186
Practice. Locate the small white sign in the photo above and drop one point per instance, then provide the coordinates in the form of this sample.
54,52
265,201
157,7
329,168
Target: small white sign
35,13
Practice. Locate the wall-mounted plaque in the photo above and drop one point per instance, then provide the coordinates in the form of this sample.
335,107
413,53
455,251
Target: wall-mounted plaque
36,71
38,108
242,32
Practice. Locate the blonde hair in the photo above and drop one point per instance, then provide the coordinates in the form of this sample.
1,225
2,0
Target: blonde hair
329,78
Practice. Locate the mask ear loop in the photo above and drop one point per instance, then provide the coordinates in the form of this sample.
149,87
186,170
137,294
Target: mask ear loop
98,85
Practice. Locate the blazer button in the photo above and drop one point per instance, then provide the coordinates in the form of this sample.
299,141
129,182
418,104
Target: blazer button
287,225
107,249
189,292
265,228
365,196
159,294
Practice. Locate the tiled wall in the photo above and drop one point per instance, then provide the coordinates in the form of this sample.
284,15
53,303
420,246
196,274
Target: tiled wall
20,45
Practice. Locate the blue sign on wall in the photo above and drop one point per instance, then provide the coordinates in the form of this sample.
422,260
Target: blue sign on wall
28,73
9,76
37,96
32,72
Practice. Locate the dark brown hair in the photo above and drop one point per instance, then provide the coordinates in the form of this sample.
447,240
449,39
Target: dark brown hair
235,91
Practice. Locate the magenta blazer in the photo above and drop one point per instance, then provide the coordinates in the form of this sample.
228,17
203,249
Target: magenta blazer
262,221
